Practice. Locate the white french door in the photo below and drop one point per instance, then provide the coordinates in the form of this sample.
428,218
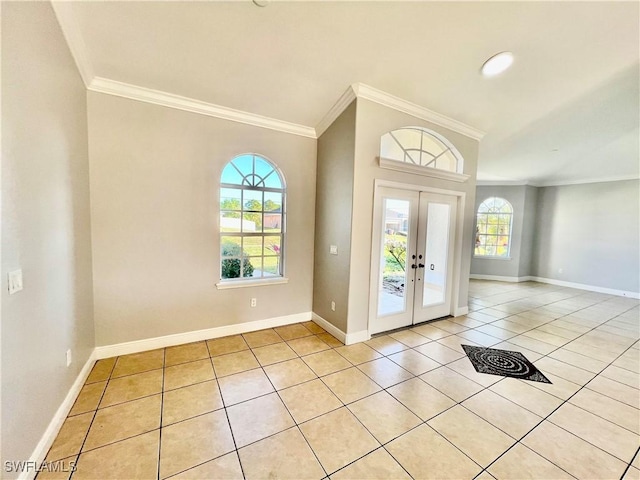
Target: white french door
413,244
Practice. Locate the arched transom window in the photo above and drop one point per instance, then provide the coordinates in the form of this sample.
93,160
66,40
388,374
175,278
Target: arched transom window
252,219
420,147
493,228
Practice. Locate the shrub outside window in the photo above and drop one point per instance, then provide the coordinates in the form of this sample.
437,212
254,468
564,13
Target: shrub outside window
493,228
252,219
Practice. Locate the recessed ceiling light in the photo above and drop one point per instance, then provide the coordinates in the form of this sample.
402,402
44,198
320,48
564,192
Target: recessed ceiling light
497,64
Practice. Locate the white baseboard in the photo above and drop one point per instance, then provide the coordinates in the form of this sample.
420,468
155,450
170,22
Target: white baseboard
499,278
330,328
136,346
357,337
50,434
560,283
346,338
590,288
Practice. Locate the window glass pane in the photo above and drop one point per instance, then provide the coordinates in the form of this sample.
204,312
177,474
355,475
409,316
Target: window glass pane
272,222
271,266
273,181
244,163
230,246
251,266
231,175
389,148
230,222
262,167
252,245
447,161
251,222
272,202
408,137
272,245
432,145
253,200
230,199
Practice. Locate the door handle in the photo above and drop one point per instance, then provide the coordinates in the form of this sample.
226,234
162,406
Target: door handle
421,265
413,265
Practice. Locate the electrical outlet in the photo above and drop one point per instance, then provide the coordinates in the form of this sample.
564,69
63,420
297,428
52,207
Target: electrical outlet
333,249
254,302
15,281
333,306
68,357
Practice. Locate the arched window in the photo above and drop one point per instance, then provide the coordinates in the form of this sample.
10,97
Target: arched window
252,219
493,228
417,146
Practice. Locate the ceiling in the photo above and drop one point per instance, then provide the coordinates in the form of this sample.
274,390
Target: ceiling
567,111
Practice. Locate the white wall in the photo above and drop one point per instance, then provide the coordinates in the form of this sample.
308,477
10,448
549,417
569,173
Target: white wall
45,224
155,175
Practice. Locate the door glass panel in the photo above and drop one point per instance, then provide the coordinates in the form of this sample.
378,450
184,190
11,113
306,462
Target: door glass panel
392,284
436,254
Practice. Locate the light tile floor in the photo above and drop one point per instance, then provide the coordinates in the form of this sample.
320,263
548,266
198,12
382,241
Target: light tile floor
293,402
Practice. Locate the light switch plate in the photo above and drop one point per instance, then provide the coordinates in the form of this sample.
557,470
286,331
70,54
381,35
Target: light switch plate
333,249
15,281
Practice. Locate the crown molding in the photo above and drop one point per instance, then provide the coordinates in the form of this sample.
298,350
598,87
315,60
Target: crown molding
340,106
157,97
378,96
552,183
503,183
562,183
71,31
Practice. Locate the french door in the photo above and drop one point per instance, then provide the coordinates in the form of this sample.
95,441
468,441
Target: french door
413,245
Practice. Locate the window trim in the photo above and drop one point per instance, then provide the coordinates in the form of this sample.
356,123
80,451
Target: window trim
390,164
238,282
229,283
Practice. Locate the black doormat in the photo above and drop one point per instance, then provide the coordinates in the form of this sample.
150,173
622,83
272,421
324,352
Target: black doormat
504,363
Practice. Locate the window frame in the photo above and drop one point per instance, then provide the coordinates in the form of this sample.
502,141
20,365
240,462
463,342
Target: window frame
509,235
252,185
431,169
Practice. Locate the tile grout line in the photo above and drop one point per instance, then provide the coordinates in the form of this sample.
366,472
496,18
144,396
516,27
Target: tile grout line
295,423
95,413
160,427
629,466
430,340
543,356
226,412
571,433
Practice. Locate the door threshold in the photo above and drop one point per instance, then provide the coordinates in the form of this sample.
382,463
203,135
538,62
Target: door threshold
408,327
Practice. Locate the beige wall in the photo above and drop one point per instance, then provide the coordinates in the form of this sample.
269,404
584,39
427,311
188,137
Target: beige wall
155,176
589,234
45,225
372,121
333,218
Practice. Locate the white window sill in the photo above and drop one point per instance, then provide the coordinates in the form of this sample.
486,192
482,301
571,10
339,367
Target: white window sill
422,170
488,257
224,285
